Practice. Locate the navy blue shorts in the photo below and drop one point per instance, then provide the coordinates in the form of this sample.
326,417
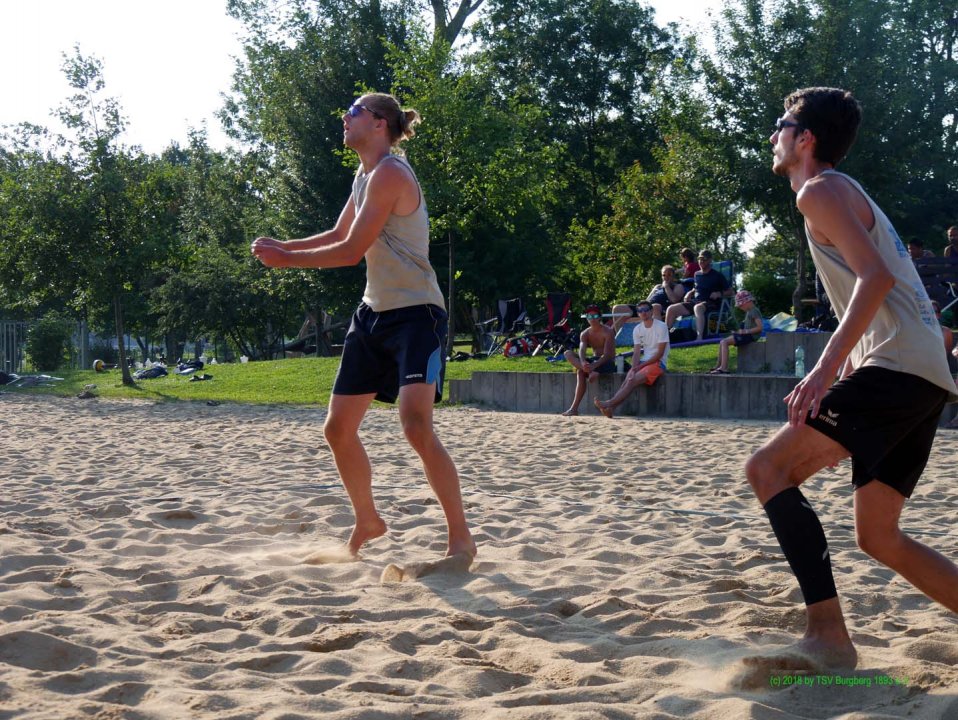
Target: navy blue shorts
386,350
743,338
887,420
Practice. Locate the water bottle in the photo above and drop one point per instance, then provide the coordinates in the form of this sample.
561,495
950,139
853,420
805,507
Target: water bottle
799,361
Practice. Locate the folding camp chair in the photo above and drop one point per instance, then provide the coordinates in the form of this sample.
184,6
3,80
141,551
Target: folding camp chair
722,319
510,320
555,338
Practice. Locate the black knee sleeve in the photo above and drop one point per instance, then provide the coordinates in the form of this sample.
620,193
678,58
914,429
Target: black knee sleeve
803,541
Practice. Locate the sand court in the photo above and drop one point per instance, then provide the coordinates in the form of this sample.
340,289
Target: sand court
182,561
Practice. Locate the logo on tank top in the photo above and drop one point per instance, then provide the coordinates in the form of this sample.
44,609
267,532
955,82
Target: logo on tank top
899,245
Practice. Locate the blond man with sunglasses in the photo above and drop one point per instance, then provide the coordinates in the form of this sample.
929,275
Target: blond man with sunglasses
395,344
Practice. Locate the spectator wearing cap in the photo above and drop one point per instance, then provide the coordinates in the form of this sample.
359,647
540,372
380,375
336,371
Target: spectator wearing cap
706,296
599,338
916,248
750,331
651,340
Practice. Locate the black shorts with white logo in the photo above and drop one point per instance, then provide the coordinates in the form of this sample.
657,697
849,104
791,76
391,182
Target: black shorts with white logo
385,350
886,420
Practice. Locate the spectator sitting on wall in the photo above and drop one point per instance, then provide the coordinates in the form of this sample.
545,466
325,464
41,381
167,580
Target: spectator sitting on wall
750,332
600,339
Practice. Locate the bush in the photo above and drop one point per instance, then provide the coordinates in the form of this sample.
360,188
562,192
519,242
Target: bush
49,342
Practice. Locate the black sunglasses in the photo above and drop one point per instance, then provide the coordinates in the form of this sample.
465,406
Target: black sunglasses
781,124
356,108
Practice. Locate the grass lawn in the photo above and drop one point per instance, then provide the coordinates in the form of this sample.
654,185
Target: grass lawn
305,381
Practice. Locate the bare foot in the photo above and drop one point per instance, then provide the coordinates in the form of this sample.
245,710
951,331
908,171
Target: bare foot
467,546
603,409
570,413
808,656
363,533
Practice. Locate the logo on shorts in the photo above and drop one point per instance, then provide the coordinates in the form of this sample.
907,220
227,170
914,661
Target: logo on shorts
414,375
829,417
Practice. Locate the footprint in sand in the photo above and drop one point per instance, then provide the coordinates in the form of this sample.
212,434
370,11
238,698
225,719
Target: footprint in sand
453,565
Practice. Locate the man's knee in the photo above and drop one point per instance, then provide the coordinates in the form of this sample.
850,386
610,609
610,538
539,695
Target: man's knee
418,430
763,472
881,543
700,308
336,431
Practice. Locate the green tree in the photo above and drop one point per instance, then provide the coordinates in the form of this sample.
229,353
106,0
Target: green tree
896,56
687,199
590,65
490,181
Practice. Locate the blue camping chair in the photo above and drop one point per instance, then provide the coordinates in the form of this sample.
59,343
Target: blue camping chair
722,319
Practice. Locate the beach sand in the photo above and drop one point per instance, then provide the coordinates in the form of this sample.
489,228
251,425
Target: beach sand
179,561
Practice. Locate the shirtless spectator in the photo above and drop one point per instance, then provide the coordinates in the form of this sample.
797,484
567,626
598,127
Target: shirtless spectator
710,287
668,292
599,338
951,249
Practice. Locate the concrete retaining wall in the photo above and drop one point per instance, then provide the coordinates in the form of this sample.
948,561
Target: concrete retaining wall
755,397
775,355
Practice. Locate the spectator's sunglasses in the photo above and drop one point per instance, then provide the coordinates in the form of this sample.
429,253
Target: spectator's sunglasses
643,309
593,316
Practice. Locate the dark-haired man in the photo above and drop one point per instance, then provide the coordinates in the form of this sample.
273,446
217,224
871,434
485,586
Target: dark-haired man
650,340
884,410
705,297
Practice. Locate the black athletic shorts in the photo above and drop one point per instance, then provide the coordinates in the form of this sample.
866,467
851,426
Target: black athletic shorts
886,420
385,350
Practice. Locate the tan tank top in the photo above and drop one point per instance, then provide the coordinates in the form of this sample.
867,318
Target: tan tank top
904,335
398,273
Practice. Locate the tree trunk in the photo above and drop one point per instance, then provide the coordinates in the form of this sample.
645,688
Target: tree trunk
120,342
448,28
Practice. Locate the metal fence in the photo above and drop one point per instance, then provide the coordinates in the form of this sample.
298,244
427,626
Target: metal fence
13,340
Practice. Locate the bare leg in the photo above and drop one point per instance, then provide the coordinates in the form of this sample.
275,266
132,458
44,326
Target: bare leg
673,313
787,460
581,380
631,382
877,510
657,311
415,413
700,309
723,353
342,433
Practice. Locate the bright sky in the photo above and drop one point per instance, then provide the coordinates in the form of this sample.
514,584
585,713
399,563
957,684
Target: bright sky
167,62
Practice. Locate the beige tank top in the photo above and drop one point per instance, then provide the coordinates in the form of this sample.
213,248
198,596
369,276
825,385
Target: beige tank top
398,273
904,335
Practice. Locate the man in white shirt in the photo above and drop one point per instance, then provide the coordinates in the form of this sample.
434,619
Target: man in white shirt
651,340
